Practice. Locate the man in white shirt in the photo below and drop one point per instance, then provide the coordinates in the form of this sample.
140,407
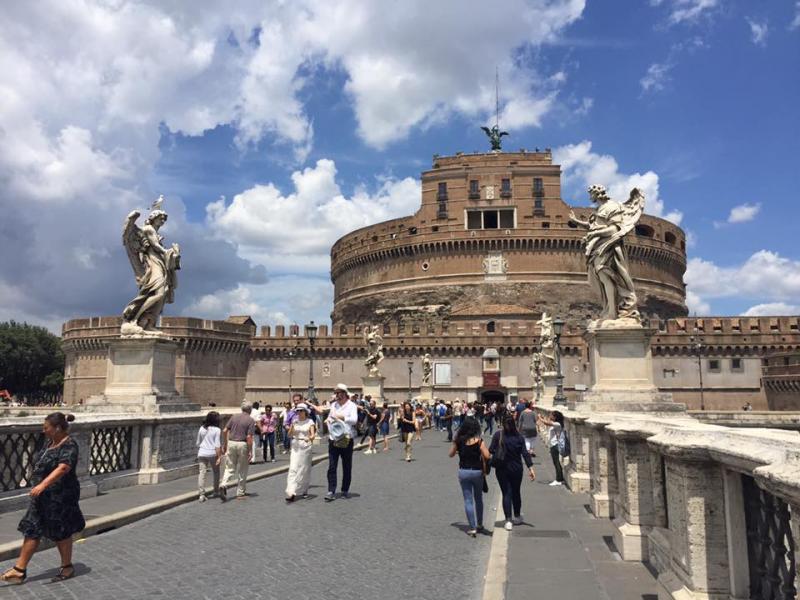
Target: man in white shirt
341,424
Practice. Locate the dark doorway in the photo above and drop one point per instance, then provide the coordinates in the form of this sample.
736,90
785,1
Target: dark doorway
490,396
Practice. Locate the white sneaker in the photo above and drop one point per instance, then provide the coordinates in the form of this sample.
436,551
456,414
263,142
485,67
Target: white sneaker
509,526
517,520
553,483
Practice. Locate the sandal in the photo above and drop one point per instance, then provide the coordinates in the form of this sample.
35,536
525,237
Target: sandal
15,578
61,575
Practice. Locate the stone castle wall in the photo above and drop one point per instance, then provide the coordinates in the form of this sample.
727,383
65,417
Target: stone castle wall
211,364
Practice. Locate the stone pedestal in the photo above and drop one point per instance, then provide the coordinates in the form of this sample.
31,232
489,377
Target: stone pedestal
372,385
426,393
550,381
621,372
140,378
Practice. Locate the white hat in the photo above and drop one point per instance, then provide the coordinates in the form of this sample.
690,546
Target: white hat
302,406
342,387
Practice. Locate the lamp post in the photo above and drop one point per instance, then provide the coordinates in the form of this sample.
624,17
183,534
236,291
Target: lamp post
558,328
410,370
311,334
698,346
290,355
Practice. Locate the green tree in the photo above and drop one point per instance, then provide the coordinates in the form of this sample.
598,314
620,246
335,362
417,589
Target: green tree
31,361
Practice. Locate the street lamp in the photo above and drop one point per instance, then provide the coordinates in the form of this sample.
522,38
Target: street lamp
290,354
311,334
698,346
558,328
410,370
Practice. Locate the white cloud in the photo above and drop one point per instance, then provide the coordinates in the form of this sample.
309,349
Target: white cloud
758,31
795,24
294,232
683,11
696,305
744,213
765,277
582,168
657,77
772,309
285,300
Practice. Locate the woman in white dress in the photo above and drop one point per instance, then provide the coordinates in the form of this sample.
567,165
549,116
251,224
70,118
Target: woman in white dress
301,432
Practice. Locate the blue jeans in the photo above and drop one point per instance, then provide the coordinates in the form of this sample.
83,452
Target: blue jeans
346,454
471,481
268,442
489,425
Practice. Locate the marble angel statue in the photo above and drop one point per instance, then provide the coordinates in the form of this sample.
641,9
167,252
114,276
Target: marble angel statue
609,271
427,369
155,268
374,342
547,342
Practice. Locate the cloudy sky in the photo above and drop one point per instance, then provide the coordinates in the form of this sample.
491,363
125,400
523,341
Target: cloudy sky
273,128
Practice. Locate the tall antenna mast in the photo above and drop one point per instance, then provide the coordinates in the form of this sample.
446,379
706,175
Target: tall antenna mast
496,98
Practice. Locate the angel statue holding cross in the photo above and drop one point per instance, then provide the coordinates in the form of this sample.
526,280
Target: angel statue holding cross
155,268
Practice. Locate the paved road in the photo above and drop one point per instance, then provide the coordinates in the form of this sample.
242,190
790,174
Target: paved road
401,535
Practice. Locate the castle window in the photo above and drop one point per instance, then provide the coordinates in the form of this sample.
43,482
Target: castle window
491,219
670,238
442,212
538,187
490,327
645,231
505,188
415,329
442,194
387,329
474,190
713,365
343,330
736,364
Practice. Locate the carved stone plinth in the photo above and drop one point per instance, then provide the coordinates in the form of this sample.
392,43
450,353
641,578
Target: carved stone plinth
550,381
140,378
426,393
373,386
621,372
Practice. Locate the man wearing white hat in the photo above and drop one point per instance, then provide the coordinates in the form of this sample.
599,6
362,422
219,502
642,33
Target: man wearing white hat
341,427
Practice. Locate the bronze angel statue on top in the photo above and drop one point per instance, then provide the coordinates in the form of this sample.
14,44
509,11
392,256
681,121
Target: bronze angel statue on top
155,268
609,272
494,136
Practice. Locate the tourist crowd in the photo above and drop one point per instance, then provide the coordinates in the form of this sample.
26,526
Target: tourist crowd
227,451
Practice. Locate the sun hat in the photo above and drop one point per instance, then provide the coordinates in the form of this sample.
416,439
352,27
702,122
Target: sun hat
341,387
336,430
302,406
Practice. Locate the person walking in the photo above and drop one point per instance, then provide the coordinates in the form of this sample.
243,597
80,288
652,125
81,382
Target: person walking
384,424
237,438
408,426
458,413
421,416
269,424
303,431
289,415
556,425
447,421
488,418
508,452
371,427
472,456
527,427
53,511
209,453
255,413
341,421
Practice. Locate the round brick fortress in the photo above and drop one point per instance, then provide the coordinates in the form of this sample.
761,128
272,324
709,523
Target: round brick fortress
492,230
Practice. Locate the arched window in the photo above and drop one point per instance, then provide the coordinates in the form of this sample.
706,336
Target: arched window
490,327
645,230
670,238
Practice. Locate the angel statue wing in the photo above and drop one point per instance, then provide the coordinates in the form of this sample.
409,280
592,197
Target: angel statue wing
632,210
487,131
133,240
502,133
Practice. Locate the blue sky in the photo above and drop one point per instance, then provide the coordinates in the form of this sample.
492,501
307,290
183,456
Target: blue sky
274,128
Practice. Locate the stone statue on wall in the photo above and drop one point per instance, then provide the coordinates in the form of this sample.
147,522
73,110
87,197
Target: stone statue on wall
155,268
374,341
427,369
547,343
494,135
609,272
537,381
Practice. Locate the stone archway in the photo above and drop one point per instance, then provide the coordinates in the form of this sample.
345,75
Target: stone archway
496,395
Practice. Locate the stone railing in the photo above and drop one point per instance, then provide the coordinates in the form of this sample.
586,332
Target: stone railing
715,510
115,451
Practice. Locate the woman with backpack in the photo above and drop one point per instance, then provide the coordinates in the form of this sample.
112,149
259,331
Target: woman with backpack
472,456
508,452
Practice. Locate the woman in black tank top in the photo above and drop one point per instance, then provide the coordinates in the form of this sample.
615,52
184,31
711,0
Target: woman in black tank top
472,453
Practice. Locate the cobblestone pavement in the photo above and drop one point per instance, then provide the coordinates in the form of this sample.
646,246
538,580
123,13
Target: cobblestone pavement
401,535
